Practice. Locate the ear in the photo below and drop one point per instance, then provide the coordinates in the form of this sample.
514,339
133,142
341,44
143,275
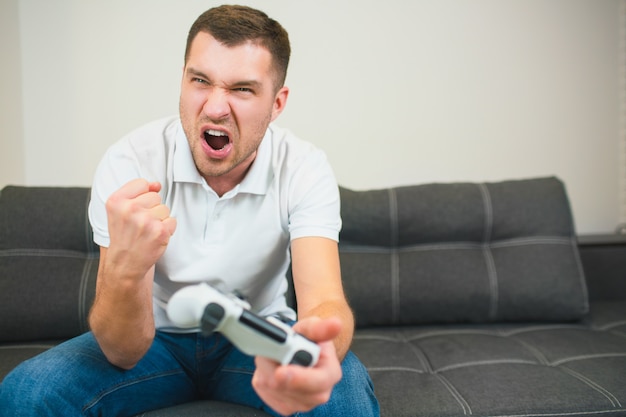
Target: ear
280,101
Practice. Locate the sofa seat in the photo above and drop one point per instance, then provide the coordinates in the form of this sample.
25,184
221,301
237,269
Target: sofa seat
501,369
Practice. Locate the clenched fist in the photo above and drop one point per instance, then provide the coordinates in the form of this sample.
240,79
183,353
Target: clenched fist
140,226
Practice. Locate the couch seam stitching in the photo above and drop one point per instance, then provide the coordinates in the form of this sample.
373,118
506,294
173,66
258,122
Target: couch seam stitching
594,385
573,413
485,363
28,346
609,326
455,393
585,357
581,272
82,295
394,260
505,243
492,273
65,253
532,349
395,368
419,353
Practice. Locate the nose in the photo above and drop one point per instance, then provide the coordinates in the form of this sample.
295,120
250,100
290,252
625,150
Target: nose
216,105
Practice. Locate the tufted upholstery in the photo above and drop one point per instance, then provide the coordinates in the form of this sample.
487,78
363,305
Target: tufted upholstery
449,253
500,370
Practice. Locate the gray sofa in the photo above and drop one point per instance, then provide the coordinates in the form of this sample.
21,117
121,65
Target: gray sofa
470,299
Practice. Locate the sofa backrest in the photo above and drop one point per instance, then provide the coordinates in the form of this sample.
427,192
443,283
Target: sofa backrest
461,252
48,263
432,253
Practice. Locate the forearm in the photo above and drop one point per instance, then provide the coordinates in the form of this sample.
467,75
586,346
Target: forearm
318,286
140,228
336,309
121,318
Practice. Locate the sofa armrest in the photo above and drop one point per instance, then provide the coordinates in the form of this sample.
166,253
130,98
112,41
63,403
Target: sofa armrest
604,262
48,263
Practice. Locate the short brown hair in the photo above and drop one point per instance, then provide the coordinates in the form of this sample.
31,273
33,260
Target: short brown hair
235,25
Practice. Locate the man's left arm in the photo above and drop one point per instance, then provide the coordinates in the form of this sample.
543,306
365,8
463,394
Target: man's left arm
318,286
324,317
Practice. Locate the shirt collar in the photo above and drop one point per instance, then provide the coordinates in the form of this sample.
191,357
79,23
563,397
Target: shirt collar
184,169
256,181
260,174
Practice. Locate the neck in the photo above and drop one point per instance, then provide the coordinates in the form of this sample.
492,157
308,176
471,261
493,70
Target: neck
225,182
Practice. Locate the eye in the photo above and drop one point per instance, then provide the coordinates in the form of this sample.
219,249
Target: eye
198,80
245,90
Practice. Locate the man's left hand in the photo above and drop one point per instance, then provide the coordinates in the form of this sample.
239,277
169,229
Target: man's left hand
292,388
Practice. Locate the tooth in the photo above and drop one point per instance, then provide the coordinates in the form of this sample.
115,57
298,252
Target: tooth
216,132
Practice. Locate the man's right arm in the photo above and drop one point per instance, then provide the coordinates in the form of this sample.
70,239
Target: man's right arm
140,227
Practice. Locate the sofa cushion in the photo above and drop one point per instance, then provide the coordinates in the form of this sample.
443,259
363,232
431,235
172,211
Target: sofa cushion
461,252
48,263
537,369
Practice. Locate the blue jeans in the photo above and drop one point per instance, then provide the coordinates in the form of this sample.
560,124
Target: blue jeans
75,379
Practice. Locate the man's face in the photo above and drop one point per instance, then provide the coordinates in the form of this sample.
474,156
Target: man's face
228,98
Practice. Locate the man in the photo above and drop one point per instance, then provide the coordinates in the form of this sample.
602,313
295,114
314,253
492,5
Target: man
219,195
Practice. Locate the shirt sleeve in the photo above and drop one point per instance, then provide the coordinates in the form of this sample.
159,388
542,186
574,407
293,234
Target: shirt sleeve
314,199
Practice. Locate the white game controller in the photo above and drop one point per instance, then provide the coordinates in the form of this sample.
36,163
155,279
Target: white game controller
213,311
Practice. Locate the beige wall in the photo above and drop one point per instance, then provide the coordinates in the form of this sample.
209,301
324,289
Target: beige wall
12,168
396,93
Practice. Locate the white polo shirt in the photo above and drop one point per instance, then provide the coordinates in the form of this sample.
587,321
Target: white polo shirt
239,241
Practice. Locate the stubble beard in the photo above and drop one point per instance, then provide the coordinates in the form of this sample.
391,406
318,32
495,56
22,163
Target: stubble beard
210,168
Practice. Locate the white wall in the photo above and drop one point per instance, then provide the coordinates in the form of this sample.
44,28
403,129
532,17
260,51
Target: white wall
12,161
396,92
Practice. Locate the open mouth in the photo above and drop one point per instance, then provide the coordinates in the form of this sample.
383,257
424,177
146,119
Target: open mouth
216,139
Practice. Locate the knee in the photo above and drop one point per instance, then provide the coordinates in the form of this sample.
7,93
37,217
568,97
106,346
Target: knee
24,387
354,373
355,389
42,385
